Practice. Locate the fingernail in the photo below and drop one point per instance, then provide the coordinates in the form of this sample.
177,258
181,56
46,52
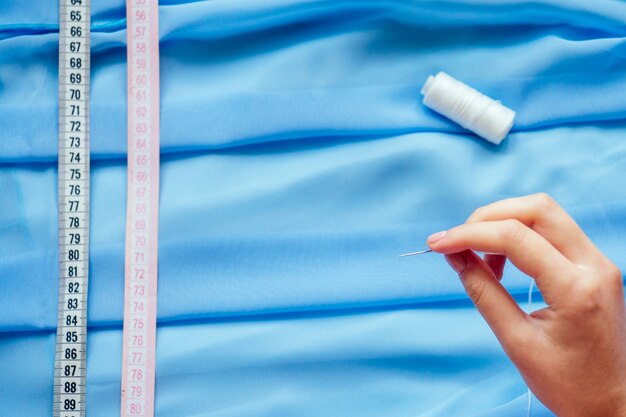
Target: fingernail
457,262
436,237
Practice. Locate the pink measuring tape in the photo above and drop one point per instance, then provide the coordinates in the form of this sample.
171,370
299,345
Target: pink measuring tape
140,296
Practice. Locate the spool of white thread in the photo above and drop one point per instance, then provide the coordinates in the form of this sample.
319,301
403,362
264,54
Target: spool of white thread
462,104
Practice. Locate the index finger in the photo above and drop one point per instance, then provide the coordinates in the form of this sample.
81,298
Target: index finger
525,248
542,214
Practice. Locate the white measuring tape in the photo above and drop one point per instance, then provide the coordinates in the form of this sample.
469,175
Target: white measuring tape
74,63
140,296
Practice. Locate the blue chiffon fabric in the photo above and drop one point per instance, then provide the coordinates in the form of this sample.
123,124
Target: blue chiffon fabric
297,163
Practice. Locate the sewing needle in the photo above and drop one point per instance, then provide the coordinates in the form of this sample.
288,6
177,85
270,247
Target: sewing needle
415,253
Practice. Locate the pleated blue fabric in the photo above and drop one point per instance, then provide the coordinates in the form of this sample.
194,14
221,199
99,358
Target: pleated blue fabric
297,163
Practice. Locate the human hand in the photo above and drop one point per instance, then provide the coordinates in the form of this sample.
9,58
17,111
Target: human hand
572,354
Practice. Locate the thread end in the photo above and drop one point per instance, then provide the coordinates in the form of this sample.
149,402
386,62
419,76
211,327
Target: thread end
506,126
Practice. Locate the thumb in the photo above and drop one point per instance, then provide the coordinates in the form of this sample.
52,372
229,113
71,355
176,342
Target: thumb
494,303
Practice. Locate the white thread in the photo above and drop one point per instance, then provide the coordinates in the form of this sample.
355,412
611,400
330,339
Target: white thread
530,301
462,104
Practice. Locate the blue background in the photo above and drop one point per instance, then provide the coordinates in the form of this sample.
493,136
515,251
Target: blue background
297,163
